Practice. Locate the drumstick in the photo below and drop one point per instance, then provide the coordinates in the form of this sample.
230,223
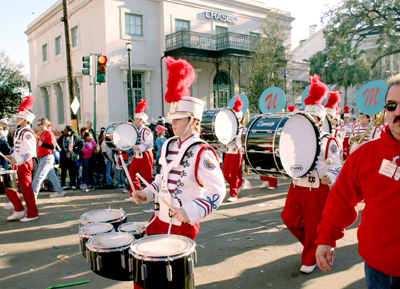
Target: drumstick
154,191
127,175
328,162
126,141
6,158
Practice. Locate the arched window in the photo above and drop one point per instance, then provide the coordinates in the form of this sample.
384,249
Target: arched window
222,89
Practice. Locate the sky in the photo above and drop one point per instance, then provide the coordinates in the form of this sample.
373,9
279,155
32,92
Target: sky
16,15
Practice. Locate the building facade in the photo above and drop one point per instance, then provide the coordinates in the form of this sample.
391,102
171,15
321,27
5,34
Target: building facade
215,36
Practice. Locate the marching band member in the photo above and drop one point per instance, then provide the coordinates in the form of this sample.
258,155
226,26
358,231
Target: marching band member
376,182
365,126
24,151
348,125
232,165
190,179
332,110
306,197
142,161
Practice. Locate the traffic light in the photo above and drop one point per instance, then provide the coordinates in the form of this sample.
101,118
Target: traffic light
86,65
101,68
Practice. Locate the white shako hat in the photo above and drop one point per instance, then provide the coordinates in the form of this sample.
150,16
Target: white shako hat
318,92
188,106
24,108
140,110
333,103
181,75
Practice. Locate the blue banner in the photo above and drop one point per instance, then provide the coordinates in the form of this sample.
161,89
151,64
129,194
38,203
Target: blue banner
272,100
371,97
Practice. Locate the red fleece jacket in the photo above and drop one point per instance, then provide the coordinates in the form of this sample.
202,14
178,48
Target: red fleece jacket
379,231
48,143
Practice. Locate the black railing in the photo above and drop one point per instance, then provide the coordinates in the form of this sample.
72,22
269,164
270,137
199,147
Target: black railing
228,40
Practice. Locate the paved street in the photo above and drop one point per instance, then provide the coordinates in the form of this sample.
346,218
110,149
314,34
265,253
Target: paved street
242,245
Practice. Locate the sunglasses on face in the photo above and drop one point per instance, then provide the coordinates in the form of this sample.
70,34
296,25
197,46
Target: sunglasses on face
391,106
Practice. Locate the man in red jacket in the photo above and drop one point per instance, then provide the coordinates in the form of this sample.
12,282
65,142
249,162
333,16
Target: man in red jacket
45,148
377,182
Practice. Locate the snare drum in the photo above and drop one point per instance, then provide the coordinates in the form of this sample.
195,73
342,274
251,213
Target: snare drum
283,145
163,261
121,136
8,180
134,228
108,255
113,216
219,126
91,230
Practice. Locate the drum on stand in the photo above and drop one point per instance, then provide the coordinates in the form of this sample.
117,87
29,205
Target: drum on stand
136,229
113,216
8,180
91,230
327,126
108,255
120,136
163,261
219,126
283,145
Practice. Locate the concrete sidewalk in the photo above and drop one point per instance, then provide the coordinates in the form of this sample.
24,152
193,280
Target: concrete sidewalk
242,245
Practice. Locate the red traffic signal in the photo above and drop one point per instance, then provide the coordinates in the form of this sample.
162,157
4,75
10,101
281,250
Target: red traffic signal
101,68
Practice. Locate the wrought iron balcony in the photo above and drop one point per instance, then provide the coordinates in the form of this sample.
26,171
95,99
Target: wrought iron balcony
210,42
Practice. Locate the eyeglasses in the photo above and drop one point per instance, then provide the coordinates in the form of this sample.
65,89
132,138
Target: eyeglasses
391,106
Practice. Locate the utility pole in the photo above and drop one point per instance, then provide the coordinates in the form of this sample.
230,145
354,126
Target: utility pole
70,64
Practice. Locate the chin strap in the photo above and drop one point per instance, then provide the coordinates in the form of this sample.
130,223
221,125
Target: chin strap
189,124
21,121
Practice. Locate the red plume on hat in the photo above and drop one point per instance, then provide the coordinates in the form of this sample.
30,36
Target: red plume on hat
318,91
334,100
238,104
27,103
180,78
346,109
142,105
291,108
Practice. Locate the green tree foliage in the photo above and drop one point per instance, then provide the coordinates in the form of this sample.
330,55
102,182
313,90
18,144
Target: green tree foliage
267,68
343,66
356,20
13,84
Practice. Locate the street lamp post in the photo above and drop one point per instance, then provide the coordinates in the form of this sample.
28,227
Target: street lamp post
130,104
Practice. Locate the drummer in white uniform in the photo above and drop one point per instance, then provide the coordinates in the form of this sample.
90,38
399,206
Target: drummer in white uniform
306,197
191,179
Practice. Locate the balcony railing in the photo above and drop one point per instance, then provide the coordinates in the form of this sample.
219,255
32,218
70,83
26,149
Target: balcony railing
228,40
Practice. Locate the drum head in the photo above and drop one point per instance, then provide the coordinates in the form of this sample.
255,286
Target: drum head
299,146
110,241
124,136
226,125
162,245
131,227
97,228
102,216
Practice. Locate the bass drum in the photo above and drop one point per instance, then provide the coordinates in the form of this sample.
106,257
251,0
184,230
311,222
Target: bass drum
283,145
219,126
120,136
327,126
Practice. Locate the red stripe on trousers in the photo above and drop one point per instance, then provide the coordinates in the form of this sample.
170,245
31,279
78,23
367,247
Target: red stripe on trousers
24,173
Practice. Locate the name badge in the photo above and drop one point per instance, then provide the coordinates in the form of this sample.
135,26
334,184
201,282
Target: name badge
390,170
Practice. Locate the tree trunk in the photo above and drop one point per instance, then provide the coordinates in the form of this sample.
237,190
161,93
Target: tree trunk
345,95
